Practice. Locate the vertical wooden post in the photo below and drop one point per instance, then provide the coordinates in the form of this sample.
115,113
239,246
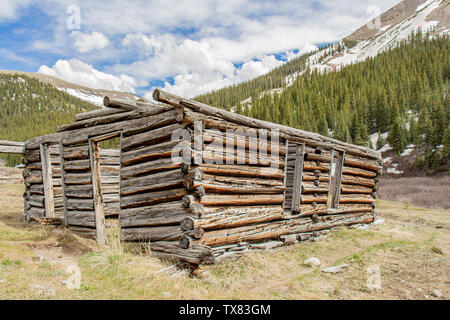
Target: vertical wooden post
97,192
47,181
334,189
120,180
298,178
63,183
285,172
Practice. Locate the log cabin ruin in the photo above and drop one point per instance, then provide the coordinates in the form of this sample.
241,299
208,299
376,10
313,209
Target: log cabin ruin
198,183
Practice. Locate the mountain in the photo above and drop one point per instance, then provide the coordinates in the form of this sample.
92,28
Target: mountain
385,32
31,108
94,96
385,88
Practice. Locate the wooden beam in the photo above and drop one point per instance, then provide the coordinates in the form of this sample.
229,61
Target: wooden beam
63,184
318,139
96,186
298,176
337,160
12,149
47,181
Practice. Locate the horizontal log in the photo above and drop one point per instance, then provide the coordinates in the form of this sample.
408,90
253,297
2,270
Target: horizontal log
350,161
31,156
36,189
355,189
149,167
34,213
12,149
102,120
354,180
171,251
109,153
358,172
151,198
110,198
84,231
313,138
78,152
97,113
214,155
80,204
81,218
308,210
246,142
356,198
158,116
12,143
167,233
237,200
273,230
110,188
109,170
77,165
77,178
238,216
160,150
170,213
152,182
308,198
225,184
241,171
150,137
36,201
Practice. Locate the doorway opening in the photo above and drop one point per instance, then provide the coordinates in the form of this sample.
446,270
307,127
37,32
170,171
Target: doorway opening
105,166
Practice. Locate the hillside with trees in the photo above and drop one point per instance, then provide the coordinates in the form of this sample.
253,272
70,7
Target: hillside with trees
30,108
402,92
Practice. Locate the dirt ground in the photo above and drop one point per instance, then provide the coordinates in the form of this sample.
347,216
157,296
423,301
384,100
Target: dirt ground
409,247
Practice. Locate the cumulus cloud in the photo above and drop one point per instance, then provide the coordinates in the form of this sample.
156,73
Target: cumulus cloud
9,8
86,42
81,73
194,45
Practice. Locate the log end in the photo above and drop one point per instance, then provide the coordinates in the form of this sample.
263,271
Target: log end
106,101
156,95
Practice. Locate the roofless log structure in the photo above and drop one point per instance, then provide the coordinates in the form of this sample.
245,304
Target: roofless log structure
199,183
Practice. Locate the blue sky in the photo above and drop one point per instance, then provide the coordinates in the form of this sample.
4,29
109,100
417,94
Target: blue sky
187,47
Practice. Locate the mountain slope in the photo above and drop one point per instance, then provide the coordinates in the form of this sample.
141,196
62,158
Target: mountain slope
94,96
391,84
397,24
31,108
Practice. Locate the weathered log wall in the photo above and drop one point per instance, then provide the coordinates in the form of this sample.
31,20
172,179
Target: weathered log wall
223,201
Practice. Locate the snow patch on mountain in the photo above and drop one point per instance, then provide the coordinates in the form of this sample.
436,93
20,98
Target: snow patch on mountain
84,95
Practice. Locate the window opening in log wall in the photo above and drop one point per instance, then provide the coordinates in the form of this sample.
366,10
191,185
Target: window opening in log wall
337,163
295,154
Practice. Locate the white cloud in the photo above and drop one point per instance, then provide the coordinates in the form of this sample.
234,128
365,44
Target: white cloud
194,83
9,8
85,42
81,73
195,43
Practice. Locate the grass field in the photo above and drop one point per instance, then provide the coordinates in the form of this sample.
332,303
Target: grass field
411,249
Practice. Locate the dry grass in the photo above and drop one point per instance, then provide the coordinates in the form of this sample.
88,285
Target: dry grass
411,248
427,192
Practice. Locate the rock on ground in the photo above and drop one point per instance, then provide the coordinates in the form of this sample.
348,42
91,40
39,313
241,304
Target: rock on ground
312,262
336,269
